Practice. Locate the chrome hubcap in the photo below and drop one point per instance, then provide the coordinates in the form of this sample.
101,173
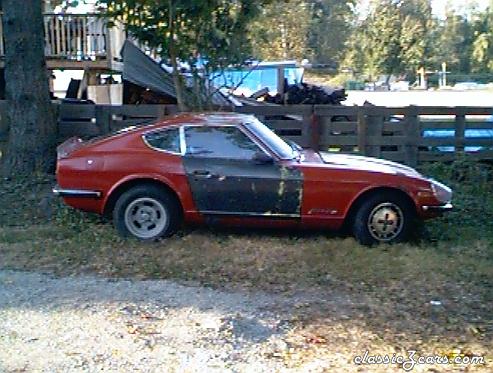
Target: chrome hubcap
145,217
385,222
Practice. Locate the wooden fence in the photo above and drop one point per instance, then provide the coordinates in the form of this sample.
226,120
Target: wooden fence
409,135
89,121
94,120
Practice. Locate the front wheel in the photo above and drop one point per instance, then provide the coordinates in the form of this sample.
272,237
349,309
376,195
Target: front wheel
384,219
147,213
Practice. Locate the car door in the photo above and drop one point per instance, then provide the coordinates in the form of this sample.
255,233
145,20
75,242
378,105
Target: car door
225,178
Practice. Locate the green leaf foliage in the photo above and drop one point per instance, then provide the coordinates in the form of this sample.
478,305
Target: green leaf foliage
393,37
184,30
297,29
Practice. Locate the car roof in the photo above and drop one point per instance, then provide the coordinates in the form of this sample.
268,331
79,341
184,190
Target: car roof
213,118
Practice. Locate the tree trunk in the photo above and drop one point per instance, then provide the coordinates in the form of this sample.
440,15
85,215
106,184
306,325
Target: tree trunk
29,112
177,80
387,79
174,58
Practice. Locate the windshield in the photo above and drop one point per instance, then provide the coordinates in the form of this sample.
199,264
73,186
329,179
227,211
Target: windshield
274,142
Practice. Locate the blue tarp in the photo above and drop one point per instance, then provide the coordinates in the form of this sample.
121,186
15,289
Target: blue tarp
468,134
258,78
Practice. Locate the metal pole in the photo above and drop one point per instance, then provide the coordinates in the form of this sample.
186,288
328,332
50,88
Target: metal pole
444,72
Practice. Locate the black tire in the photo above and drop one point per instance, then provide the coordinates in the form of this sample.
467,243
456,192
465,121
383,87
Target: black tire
397,214
160,207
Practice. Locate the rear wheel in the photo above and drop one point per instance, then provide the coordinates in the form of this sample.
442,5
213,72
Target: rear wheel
146,212
384,218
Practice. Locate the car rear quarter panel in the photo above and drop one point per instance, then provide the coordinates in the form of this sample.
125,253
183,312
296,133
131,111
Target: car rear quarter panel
107,166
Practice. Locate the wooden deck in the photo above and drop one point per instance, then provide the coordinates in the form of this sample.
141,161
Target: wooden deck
79,41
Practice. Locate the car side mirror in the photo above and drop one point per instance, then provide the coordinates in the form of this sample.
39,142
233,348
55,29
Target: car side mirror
262,158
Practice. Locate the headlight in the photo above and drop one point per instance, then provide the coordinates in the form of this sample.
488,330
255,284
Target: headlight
442,192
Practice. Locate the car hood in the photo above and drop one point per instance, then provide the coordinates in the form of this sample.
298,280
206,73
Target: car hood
360,163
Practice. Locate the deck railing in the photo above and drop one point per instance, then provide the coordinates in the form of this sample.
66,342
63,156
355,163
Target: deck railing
78,37
75,36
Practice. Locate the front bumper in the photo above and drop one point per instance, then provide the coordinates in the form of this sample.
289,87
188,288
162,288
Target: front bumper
441,208
76,193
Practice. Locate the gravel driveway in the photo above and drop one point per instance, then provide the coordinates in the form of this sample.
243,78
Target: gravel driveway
89,324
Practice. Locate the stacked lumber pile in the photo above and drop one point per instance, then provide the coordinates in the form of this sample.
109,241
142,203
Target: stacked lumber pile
304,94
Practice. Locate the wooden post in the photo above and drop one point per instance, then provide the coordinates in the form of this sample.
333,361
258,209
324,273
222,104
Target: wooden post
374,132
362,129
412,133
84,38
78,37
63,31
103,119
107,42
83,84
52,40
68,25
460,129
58,24
280,80
314,132
162,112
92,77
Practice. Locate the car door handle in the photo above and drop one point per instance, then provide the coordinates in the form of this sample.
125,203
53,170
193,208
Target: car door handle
202,174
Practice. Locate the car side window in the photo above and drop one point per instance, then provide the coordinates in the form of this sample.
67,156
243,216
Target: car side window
168,139
219,142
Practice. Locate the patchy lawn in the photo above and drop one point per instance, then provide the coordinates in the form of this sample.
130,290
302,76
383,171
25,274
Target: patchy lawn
435,295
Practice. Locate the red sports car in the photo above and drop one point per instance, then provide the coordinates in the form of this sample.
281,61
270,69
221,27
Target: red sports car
231,169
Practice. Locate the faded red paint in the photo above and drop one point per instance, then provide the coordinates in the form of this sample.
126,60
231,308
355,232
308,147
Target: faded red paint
328,190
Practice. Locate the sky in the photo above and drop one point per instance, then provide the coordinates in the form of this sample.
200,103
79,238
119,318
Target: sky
440,5
461,5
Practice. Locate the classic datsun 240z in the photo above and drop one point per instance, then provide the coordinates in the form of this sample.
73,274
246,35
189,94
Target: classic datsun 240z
231,169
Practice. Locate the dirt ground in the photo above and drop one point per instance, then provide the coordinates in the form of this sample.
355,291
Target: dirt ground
85,323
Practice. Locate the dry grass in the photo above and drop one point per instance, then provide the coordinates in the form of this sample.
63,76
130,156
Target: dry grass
389,288
261,259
